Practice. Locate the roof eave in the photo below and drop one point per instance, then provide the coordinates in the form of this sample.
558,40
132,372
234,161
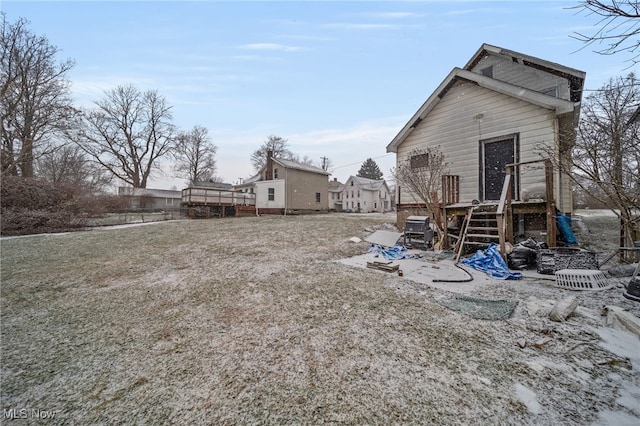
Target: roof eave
560,106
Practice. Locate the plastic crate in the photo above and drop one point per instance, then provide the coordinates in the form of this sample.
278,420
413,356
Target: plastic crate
582,279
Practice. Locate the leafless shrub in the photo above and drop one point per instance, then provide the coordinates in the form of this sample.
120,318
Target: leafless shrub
31,206
420,174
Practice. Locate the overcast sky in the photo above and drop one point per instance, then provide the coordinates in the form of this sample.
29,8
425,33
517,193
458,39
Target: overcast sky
336,79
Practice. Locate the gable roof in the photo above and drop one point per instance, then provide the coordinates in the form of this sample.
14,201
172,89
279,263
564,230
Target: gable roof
290,164
368,184
335,186
561,106
574,76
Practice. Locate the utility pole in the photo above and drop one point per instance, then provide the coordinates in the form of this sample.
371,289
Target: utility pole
325,162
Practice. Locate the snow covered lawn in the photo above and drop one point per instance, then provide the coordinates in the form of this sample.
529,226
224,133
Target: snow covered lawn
261,320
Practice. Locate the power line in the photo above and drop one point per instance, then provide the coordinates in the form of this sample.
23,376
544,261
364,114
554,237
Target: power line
360,162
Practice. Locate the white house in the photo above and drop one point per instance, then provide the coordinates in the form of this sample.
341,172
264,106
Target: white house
366,195
335,195
501,121
502,108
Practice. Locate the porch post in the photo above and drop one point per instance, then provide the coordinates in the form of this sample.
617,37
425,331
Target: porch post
551,204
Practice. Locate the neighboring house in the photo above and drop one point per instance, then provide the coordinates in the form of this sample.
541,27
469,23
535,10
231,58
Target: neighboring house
503,108
211,184
366,195
335,195
285,186
151,199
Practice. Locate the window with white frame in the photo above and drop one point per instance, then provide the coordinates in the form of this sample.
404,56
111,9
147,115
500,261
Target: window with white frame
272,194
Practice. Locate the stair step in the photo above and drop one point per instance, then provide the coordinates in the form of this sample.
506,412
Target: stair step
491,236
475,243
483,228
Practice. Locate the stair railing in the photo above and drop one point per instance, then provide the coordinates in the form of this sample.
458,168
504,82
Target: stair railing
503,213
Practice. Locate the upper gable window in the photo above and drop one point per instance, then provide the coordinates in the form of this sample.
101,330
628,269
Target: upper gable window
419,161
487,72
275,173
351,183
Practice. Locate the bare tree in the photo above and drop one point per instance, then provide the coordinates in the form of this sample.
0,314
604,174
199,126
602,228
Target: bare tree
277,145
606,158
420,175
302,160
128,132
195,155
618,28
68,166
35,101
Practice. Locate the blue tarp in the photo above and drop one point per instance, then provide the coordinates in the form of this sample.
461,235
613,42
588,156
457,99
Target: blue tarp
397,252
564,226
490,262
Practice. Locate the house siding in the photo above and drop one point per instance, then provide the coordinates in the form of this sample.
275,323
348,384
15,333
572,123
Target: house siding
524,76
301,190
262,194
454,125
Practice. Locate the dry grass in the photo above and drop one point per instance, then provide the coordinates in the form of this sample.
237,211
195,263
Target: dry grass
251,321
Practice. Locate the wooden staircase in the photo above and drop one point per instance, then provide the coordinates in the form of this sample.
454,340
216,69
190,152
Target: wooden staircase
480,228
487,223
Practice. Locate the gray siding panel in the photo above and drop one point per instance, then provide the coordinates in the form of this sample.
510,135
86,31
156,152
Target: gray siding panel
520,75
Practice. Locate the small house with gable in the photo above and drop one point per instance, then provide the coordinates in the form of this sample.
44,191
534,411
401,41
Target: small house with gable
502,122
288,187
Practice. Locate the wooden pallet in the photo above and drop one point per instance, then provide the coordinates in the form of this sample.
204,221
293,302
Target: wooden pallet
383,266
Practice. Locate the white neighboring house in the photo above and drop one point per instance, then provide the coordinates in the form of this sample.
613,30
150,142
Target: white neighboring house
365,195
151,199
335,195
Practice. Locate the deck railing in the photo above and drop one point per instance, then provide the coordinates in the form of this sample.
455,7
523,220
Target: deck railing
217,197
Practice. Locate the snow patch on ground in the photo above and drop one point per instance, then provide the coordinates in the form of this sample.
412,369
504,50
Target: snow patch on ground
528,398
621,343
617,418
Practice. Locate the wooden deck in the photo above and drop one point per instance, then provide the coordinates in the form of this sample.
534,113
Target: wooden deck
216,197
214,202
